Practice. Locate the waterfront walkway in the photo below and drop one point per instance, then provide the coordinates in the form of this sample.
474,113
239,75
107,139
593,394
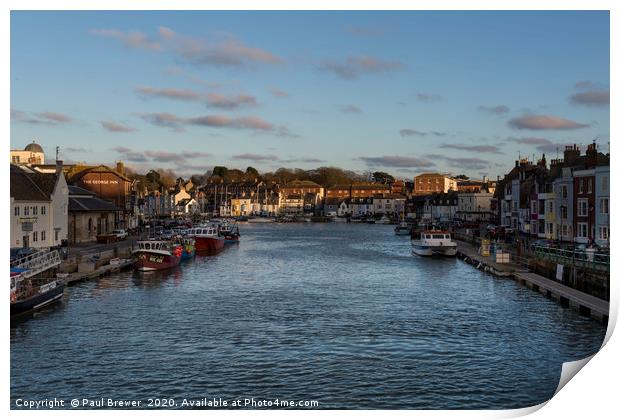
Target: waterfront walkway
586,304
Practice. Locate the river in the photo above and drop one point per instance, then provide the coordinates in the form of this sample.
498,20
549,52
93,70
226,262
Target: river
342,314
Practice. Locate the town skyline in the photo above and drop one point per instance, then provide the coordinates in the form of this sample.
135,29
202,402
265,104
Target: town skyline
405,93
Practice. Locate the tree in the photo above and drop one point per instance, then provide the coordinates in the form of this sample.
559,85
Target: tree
382,177
220,171
251,174
462,176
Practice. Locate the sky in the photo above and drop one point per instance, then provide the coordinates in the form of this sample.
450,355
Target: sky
463,92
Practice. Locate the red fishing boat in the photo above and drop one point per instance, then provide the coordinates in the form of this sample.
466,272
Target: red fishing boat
157,255
207,238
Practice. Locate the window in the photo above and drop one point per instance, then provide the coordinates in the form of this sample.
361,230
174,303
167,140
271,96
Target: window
550,228
534,206
26,211
605,184
564,230
16,210
582,230
42,209
564,212
564,191
603,233
604,205
550,206
35,236
589,185
42,235
581,186
35,210
582,207
56,235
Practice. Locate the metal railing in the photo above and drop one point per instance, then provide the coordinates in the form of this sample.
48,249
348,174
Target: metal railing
37,262
580,258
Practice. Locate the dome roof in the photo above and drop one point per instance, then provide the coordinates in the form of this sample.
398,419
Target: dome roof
33,147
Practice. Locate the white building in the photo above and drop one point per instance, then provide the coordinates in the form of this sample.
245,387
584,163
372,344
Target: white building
31,155
602,205
474,206
389,204
39,209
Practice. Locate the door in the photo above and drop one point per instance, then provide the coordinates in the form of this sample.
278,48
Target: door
25,241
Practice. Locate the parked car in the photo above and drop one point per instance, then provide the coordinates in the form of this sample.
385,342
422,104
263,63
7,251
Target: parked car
121,234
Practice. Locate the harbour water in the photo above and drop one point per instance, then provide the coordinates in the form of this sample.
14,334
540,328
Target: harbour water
342,314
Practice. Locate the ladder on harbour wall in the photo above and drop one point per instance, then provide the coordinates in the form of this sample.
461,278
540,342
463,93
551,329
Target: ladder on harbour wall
38,262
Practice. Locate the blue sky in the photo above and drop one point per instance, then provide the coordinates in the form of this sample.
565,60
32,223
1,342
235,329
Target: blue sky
405,92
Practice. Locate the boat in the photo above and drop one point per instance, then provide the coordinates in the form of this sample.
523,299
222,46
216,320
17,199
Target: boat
152,255
230,232
242,219
30,294
433,242
207,238
384,220
403,229
189,247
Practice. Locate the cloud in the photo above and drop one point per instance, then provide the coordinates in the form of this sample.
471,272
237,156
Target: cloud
196,155
428,97
303,160
135,39
255,157
163,156
479,148
468,163
353,67
592,98
542,144
170,93
405,132
76,149
220,121
229,52
278,93
496,110
46,118
544,122
130,155
163,119
283,131
397,162
351,109
233,102
116,127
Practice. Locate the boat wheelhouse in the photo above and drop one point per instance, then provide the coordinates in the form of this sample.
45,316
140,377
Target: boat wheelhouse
152,255
433,242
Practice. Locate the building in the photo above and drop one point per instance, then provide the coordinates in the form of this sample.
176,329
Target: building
302,188
89,216
474,206
430,183
291,204
31,155
39,208
361,206
389,204
601,179
112,185
187,206
368,189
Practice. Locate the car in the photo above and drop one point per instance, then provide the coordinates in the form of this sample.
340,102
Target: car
120,234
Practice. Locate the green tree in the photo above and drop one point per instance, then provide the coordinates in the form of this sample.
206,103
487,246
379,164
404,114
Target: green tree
382,177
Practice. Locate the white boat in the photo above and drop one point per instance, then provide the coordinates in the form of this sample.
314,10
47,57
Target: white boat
433,242
384,220
403,229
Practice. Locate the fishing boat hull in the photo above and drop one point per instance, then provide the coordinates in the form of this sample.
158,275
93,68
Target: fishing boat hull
425,250
402,232
209,244
52,293
231,239
150,261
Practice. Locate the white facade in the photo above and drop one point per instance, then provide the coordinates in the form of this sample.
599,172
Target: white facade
602,182
474,206
41,223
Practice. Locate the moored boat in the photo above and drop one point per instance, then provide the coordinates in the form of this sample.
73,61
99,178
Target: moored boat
30,294
403,229
433,242
230,232
189,247
207,238
152,255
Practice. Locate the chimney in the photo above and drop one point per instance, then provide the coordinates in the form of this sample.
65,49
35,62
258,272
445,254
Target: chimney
571,153
120,167
58,166
591,155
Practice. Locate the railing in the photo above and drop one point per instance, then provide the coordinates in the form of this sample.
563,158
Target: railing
587,259
37,262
